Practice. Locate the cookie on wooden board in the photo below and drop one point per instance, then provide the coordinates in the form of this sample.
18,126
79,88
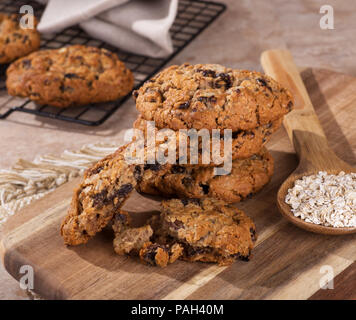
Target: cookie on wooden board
104,189
206,230
210,230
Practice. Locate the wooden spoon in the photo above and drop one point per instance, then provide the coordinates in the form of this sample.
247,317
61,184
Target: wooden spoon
306,134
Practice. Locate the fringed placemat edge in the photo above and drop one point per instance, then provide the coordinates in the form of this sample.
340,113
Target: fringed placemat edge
27,181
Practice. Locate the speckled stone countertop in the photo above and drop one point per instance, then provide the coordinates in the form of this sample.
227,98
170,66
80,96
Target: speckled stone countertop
236,39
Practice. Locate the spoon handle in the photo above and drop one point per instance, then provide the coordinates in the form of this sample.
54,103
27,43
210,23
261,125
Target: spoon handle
302,124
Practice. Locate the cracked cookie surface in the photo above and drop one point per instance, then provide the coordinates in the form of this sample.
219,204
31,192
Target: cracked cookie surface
209,230
213,97
16,42
206,230
247,177
103,190
137,241
70,76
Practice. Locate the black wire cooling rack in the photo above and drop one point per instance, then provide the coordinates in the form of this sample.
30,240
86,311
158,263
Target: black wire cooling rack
192,18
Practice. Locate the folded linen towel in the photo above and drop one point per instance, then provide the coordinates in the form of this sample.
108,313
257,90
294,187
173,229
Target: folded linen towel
139,26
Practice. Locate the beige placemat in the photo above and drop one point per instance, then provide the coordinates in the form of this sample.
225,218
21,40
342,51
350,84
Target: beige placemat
30,180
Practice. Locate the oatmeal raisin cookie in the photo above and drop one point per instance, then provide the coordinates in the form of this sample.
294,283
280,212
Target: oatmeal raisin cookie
70,76
16,42
213,97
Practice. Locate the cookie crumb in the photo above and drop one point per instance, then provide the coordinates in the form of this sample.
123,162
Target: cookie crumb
325,199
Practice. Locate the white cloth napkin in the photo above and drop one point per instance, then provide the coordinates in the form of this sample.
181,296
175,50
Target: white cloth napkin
139,26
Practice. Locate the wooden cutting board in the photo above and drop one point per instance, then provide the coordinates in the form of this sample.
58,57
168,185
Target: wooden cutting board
286,262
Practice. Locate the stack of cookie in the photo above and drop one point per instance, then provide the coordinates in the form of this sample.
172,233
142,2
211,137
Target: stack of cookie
205,230
201,225
212,97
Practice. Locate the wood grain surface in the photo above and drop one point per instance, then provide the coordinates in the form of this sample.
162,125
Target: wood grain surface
285,263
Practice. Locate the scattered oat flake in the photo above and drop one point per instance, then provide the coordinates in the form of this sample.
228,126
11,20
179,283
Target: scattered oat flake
325,199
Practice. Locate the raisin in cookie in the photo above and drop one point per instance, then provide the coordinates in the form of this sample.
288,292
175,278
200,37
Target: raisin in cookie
209,230
16,42
213,97
70,76
247,177
245,143
160,255
103,191
121,221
